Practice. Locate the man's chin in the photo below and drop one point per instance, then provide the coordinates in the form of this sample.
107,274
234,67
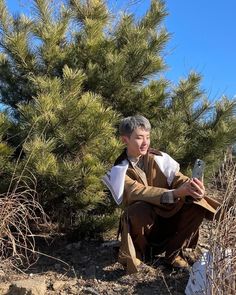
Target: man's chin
143,152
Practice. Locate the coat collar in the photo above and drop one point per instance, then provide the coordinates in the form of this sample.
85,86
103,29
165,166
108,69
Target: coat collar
123,155
140,174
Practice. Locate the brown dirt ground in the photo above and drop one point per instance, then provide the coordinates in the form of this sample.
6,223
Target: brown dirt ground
90,267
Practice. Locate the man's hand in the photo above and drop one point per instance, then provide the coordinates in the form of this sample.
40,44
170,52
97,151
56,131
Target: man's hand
194,188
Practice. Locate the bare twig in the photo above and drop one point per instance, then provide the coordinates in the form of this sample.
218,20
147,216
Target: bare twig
222,267
18,210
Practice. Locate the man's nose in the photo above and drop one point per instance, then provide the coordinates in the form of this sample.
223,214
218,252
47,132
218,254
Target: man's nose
145,141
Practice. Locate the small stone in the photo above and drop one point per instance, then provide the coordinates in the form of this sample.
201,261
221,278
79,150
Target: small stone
90,290
58,285
4,287
35,286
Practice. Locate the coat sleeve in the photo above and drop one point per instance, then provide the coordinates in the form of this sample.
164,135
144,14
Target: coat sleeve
178,180
135,191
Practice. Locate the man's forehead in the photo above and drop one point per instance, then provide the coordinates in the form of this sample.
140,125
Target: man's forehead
141,131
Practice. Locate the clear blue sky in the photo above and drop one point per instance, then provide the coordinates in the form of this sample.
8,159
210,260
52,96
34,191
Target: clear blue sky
203,39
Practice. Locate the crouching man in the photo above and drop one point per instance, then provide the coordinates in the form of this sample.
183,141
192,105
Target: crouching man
163,208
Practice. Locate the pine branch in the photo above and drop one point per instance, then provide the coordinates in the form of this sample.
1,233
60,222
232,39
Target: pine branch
43,12
90,10
6,21
154,16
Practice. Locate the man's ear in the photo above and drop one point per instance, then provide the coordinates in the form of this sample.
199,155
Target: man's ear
124,139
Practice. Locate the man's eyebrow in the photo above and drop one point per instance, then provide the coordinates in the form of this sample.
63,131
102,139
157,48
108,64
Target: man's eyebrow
142,135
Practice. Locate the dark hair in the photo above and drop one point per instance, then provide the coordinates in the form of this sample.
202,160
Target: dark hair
127,125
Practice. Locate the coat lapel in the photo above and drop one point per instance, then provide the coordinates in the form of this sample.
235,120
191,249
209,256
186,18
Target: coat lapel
141,174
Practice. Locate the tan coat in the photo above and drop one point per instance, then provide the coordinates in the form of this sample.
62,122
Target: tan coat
150,189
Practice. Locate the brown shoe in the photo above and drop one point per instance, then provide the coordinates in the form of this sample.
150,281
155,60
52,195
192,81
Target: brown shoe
179,262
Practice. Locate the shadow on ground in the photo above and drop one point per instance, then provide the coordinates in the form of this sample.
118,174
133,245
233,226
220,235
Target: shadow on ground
93,265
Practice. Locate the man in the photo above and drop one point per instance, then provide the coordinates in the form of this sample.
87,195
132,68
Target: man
163,208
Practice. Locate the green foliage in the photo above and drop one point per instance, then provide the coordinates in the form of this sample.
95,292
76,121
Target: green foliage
68,74
195,128
70,132
92,225
65,131
6,152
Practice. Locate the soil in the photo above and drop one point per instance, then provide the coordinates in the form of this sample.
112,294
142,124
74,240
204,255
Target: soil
90,267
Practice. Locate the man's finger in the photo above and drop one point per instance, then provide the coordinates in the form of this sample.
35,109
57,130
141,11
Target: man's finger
200,183
197,196
195,186
195,191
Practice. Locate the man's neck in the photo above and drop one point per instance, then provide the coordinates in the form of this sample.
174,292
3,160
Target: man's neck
133,159
130,156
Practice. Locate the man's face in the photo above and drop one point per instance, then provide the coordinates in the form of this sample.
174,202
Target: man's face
137,143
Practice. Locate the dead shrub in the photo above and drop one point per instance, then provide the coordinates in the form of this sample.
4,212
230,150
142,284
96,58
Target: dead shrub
20,211
221,272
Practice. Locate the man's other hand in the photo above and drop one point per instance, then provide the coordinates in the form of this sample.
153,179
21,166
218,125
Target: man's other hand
193,187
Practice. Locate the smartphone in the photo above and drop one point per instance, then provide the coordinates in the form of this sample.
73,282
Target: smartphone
198,169
197,172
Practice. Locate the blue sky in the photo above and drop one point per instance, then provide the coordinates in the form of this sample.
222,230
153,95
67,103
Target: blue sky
203,39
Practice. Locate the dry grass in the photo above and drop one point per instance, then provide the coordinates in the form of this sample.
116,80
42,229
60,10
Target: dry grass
19,212
221,272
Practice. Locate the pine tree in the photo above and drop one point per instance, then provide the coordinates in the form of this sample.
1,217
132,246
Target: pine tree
124,68
65,131
119,60
193,127
69,73
6,152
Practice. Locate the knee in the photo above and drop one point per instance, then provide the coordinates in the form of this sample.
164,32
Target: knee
141,214
196,211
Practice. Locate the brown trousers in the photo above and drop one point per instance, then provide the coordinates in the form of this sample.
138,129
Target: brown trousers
169,235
